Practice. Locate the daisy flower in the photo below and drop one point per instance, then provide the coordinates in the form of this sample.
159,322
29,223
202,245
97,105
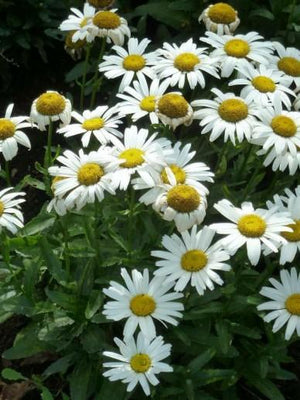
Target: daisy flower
262,84
138,362
11,133
184,63
281,161
141,301
236,51
11,217
191,258
227,114
220,18
131,63
80,23
253,227
100,3
57,203
296,104
50,106
284,303
74,49
172,109
288,61
140,100
101,122
86,177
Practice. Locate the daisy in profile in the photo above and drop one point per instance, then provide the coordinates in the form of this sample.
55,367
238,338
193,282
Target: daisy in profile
80,23
184,63
284,303
100,3
253,227
287,60
236,51
172,109
101,123
282,161
139,100
138,362
191,258
11,217
141,302
74,49
261,84
227,114
85,177
50,106
11,133
220,18
131,63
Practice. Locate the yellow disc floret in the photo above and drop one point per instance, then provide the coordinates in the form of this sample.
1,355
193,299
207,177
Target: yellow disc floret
50,103
54,181
252,225
2,208
283,126
89,174
222,13
233,110
178,172
106,20
292,304
142,305
133,157
173,105
237,48
148,104
100,3
186,62
289,65
140,363
134,62
293,236
93,124
193,260
264,84
7,128
183,198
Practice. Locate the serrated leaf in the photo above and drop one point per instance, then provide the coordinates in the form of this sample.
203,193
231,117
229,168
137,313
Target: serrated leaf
53,264
12,375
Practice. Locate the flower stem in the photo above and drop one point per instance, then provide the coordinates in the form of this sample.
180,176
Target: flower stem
85,68
7,173
97,82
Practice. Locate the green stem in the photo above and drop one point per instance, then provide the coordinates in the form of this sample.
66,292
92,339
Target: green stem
66,245
83,82
48,158
97,82
7,173
131,221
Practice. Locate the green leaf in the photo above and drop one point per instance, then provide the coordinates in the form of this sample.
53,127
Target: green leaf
93,340
38,224
67,301
197,363
76,72
267,388
12,375
53,264
46,395
224,335
161,12
61,365
94,304
262,12
79,380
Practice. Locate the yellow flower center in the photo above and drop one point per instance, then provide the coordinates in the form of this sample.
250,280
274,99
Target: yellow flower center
221,13
2,208
177,171
173,105
89,174
289,65
83,22
263,84
148,104
183,198
142,305
283,126
140,363
186,61
133,157
7,128
74,45
252,225
233,110
100,3
237,48
106,20
93,124
193,260
54,180
293,236
50,104
134,62
292,304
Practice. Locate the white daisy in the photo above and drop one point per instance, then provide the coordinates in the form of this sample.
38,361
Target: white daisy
236,51
296,104
262,84
287,61
140,100
191,258
11,133
227,114
172,109
281,161
101,122
142,301
74,49
139,362
57,203
253,227
186,62
131,63
50,106
11,217
284,305
220,18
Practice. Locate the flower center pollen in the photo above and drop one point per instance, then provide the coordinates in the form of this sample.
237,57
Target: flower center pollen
148,104
83,22
2,208
54,181
106,20
183,198
7,128
193,260
140,363
283,126
289,65
263,84
221,13
134,62
173,105
178,172
142,305
133,157
89,174
50,104
233,110
252,225
292,304
186,62
237,48
93,124
293,236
